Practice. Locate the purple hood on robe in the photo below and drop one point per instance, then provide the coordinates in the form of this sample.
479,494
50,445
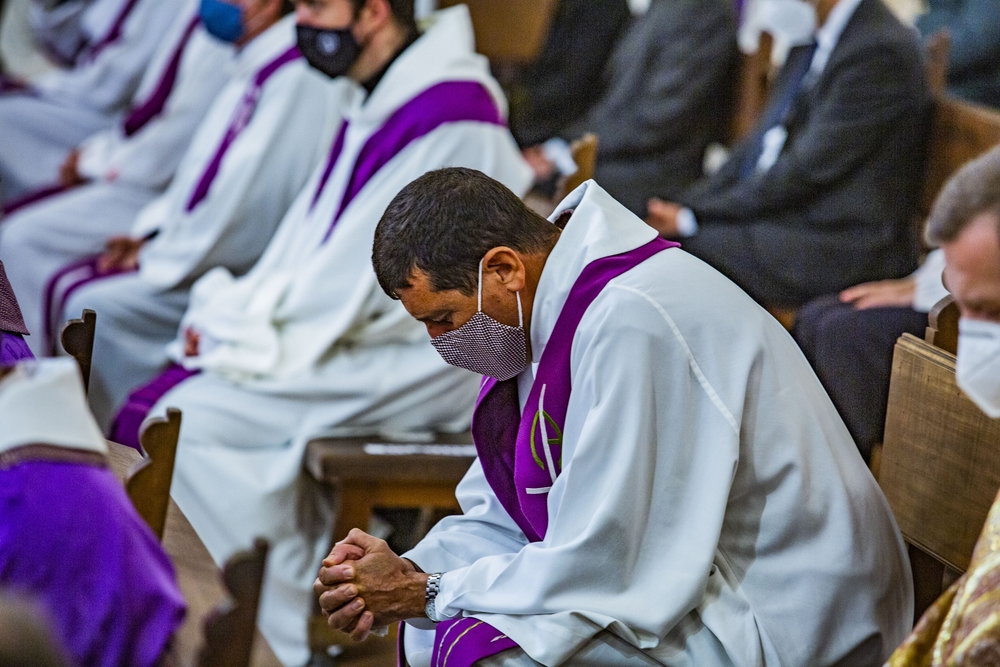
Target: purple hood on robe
70,538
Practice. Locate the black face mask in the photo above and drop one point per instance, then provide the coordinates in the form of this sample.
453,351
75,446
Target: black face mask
332,52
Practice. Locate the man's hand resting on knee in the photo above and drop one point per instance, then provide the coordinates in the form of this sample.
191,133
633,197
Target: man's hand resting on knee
364,585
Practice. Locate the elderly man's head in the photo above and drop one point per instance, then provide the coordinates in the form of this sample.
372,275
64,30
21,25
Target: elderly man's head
965,222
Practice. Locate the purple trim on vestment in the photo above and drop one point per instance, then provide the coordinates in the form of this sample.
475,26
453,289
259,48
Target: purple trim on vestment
140,115
71,539
335,150
61,286
498,413
13,349
241,118
447,102
34,197
128,421
114,34
463,642
11,85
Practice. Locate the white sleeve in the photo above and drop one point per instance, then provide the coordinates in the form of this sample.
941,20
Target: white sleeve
930,288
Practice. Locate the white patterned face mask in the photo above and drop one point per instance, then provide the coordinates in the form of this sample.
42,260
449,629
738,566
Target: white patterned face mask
485,346
978,369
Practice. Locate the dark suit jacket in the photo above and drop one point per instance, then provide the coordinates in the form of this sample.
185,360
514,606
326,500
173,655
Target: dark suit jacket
837,206
974,62
563,82
665,97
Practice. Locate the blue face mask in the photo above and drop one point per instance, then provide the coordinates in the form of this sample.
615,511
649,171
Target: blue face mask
222,20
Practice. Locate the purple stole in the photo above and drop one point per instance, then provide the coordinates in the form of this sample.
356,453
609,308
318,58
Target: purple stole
241,118
521,453
60,507
113,34
128,421
140,115
447,102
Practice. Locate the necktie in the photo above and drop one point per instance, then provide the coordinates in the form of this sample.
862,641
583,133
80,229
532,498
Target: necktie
799,61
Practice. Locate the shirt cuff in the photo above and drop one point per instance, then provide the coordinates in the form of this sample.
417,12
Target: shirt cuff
687,224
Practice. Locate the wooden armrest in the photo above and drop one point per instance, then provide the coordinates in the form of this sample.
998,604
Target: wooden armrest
230,629
445,459
78,341
149,484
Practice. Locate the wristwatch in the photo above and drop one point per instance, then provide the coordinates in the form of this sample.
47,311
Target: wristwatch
433,588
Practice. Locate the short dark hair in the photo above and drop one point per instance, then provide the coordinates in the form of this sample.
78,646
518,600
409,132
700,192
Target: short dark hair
402,11
972,191
444,222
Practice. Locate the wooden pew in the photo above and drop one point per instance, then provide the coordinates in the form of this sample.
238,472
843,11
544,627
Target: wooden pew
940,466
197,574
365,473
78,340
148,485
509,31
584,152
753,83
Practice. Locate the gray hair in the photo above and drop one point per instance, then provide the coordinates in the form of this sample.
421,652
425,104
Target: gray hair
972,191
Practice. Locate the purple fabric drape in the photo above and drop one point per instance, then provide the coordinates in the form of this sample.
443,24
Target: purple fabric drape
128,421
447,102
61,286
241,118
10,313
140,115
13,349
70,538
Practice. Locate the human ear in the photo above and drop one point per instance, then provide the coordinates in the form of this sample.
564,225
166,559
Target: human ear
506,264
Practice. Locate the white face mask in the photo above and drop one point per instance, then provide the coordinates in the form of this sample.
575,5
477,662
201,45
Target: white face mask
978,369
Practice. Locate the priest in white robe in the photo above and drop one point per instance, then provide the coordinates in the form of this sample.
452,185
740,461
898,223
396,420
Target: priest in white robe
306,342
232,189
62,108
119,171
661,478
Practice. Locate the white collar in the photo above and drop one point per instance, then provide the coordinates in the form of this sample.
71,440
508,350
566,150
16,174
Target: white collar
829,34
599,227
444,52
266,46
43,402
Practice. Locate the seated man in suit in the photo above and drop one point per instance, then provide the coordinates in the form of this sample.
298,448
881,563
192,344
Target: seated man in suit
962,629
661,479
664,98
974,59
69,535
849,339
820,197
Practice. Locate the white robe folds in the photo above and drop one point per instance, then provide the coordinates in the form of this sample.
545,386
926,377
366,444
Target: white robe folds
66,106
307,341
261,171
129,172
712,508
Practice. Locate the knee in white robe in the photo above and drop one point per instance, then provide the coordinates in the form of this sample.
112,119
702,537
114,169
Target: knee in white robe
135,321
40,240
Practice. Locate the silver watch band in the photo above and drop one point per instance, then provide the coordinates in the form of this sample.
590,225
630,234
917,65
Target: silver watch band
433,588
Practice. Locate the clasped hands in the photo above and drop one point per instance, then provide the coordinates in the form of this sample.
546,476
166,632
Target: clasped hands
364,586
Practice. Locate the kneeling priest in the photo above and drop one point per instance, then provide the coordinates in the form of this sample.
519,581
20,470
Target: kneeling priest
661,478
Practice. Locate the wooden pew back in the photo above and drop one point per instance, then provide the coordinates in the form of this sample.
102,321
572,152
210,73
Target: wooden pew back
752,87
940,466
78,340
149,484
960,131
509,31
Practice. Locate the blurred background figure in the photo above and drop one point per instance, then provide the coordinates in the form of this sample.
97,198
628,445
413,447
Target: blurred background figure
974,62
